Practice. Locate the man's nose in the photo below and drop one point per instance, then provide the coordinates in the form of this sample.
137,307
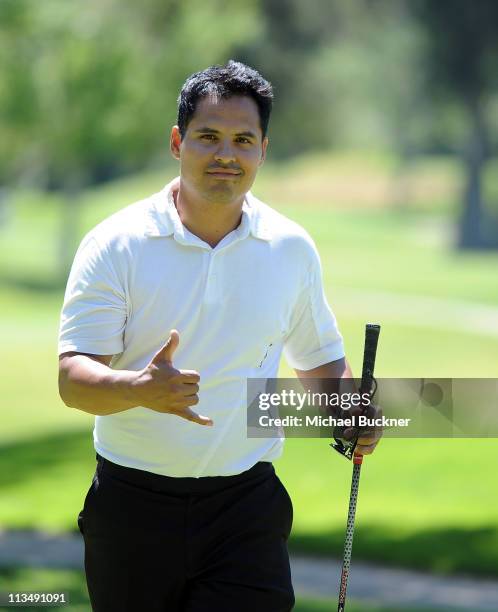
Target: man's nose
225,153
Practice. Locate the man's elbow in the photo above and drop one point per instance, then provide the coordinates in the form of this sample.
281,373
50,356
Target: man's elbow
67,387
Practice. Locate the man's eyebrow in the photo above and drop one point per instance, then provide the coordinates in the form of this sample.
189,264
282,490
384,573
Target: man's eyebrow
248,134
208,130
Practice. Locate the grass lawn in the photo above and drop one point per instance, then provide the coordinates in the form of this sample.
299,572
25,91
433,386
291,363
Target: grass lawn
425,503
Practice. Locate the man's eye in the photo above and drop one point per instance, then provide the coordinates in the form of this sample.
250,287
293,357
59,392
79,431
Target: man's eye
243,140
208,137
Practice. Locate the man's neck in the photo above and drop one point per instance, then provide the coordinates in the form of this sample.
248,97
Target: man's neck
209,221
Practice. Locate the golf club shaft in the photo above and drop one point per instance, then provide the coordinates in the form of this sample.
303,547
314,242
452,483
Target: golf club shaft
369,352
348,545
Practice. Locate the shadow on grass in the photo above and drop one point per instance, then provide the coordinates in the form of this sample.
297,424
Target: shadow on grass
329,605
472,550
48,284
27,459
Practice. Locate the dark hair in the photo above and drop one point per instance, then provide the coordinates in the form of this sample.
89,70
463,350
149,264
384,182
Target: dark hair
234,79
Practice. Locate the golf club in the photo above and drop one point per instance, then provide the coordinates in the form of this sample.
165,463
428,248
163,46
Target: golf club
347,449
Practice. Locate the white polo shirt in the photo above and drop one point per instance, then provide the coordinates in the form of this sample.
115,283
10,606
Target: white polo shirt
141,273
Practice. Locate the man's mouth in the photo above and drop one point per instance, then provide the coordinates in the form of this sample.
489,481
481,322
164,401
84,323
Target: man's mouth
224,173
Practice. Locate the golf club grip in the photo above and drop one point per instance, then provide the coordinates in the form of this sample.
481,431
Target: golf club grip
371,338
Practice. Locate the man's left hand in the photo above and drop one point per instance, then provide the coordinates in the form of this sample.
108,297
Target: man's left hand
369,437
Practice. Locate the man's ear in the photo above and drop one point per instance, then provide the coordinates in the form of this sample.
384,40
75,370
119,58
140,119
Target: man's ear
264,146
175,141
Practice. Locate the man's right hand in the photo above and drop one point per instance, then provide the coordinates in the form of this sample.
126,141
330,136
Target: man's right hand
163,388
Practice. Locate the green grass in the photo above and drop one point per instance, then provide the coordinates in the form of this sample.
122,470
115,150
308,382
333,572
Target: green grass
413,508
408,253
425,503
30,401
73,583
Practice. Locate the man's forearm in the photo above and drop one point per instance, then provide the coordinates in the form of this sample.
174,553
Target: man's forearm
332,378
92,386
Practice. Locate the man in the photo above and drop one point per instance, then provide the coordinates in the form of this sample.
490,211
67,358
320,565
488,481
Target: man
173,303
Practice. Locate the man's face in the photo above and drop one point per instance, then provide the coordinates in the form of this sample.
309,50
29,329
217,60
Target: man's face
222,148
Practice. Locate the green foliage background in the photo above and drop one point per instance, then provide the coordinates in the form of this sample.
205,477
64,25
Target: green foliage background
88,91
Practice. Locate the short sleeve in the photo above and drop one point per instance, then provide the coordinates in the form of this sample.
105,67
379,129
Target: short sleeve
313,338
94,312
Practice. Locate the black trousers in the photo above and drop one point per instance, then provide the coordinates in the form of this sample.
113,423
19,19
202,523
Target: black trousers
166,544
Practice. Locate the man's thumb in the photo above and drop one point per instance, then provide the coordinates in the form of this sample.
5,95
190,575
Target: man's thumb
166,353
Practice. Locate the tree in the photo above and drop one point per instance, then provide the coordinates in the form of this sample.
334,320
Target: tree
88,90
462,63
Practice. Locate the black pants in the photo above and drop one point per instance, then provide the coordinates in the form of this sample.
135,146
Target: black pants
166,544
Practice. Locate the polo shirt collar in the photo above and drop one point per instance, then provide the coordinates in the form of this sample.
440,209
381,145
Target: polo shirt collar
163,219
